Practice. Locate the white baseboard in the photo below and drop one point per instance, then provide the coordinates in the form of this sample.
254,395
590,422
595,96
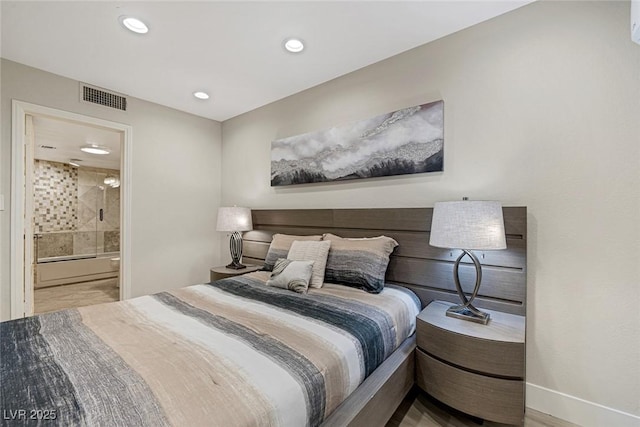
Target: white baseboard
575,410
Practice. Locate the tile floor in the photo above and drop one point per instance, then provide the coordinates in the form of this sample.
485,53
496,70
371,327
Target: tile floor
75,295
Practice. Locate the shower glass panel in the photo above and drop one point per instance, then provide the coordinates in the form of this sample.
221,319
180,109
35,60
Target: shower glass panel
94,227
85,239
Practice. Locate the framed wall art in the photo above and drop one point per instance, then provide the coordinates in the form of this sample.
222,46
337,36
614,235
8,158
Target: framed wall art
406,141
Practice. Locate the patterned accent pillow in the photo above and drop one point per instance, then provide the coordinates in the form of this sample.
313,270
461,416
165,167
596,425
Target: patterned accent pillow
279,248
312,251
359,263
292,275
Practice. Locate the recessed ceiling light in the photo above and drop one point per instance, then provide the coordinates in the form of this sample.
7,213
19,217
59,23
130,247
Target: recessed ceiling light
134,24
201,95
75,162
294,45
95,149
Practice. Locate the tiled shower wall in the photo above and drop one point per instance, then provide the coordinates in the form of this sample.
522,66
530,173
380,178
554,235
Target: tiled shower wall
67,203
55,196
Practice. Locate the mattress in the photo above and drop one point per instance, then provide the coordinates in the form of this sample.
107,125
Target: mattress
231,353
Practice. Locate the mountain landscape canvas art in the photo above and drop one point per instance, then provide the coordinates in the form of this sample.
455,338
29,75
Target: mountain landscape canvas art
406,141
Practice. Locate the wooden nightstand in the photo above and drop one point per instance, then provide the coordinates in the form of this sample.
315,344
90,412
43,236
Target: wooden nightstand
477,369
217,273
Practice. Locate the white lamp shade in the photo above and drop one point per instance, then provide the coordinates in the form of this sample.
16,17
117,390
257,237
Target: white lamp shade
234,219
468,225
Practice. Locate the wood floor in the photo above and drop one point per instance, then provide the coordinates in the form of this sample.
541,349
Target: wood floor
75,295
420,410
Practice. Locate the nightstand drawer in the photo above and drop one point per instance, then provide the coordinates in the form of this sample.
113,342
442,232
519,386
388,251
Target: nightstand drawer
499,358
489,398
495,349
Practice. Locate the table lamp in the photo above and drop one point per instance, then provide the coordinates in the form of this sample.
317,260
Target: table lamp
234,219
468,225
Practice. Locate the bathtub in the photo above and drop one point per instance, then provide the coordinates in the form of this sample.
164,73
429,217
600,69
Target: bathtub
64,270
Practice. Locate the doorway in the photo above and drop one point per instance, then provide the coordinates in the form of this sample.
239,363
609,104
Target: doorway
70,210
76,214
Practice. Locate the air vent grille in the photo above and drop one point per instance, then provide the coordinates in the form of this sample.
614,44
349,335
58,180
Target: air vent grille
101,97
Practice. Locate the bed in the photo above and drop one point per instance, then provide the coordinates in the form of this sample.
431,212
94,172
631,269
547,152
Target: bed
336,356
231,353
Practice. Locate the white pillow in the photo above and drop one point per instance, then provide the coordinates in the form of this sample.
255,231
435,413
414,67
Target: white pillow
312,251
292,275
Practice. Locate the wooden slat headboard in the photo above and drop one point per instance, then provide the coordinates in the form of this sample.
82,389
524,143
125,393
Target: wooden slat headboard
426,270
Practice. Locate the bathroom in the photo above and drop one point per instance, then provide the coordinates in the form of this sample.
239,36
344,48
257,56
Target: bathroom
76,215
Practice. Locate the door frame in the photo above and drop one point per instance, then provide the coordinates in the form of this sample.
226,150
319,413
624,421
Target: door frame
21,231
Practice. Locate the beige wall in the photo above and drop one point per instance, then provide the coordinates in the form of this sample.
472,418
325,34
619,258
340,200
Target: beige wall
541,109
175,177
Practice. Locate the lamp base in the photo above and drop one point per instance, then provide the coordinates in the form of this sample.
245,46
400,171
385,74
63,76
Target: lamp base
235,246
467,311
236,266
462,312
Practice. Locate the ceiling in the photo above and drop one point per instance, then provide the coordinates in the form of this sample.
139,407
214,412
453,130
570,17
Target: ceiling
67,138
232,50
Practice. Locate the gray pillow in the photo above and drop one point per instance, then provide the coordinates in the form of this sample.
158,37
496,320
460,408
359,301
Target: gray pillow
279,247
292,275
360,263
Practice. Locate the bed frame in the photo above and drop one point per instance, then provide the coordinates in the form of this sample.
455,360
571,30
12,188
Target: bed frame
416,265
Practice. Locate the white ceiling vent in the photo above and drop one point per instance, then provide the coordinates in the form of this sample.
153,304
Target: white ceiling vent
95,95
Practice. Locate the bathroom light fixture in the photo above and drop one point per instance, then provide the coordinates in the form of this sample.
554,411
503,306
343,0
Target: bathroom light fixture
75,162
95,149
201,95
134,24
112,181
294,45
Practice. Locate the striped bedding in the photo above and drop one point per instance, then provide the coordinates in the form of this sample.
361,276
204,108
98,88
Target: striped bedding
231,353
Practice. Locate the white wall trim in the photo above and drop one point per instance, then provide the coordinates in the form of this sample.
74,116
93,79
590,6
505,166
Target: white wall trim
21,300
575,410
17,210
